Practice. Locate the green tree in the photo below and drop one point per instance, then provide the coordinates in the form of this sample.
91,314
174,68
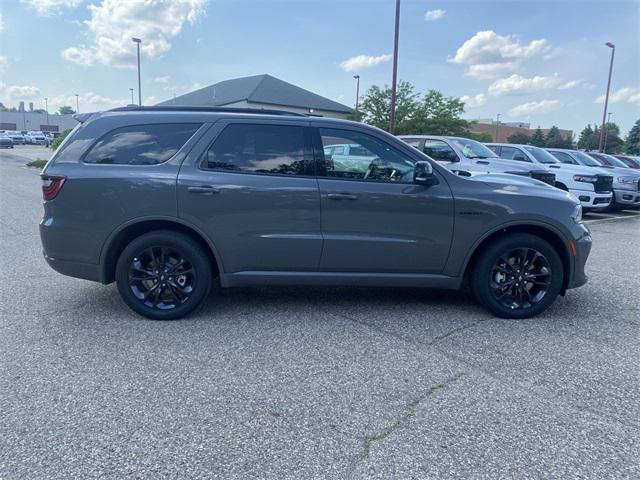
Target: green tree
632,143
376,106
589,138
482,137
2,107
614,143
554,139
439,115
537,138
519,137
58,140
66,110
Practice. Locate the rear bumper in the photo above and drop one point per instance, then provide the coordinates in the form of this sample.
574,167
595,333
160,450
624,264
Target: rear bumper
86,271
583,248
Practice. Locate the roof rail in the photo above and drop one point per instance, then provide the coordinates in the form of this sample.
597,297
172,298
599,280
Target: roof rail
187,108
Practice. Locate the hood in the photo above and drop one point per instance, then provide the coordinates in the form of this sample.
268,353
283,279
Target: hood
620,172
507,179
578,169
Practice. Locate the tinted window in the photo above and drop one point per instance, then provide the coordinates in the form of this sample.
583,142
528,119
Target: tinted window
368,158
473,149
439,150
541,155
586,159
273,149
512,153
141,144
564,157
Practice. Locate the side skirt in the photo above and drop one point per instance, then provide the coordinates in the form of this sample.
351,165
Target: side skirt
253,278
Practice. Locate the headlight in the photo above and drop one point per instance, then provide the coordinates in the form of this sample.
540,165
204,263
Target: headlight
577,214
585,178
625,179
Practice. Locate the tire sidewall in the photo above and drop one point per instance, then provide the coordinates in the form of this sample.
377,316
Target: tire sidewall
185,245
484,265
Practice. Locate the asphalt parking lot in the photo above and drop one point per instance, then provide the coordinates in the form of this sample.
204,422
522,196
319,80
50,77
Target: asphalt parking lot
307,383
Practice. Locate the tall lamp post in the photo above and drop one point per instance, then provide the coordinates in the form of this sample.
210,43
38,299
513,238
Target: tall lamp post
46,109
137,41
77,104
131,90
606,133
357,77
497,127
392,114
606,97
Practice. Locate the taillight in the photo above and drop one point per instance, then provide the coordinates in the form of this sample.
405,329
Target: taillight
51,185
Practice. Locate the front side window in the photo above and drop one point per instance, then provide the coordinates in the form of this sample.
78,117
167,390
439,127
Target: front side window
541,155
366,158
472,149
251,148
587,160
512,153
440,151
564,157
141,144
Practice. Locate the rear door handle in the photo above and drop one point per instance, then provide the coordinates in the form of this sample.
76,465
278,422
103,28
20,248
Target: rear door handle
342,196
203,190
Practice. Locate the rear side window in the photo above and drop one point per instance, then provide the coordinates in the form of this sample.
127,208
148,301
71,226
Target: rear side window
141,144
250,148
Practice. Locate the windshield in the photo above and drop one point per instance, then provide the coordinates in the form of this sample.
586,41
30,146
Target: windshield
473,149
614,161
586,159
541,155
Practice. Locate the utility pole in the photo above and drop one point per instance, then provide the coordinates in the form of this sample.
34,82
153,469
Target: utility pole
357,77
46,109
606,133
606,97
77,104
138,42
497,127
131,90
392,114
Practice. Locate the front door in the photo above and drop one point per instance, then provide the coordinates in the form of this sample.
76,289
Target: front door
374,218
251,189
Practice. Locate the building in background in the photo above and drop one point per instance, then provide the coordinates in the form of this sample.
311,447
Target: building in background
261,91
505,129
23,120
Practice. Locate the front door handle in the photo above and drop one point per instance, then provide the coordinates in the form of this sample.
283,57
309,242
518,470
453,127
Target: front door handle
203,190
342,196
481,162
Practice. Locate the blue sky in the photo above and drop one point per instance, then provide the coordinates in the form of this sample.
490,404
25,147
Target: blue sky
542,62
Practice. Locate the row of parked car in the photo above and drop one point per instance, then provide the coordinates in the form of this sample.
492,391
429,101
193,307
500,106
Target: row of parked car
9,138
598,180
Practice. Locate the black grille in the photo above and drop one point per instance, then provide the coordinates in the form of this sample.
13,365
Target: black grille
546,177
603,184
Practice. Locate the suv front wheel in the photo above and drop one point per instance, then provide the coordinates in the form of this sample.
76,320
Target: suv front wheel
517,276
163,275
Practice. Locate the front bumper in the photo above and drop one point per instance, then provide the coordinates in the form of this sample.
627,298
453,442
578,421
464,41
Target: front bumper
583,248
629,198
591,200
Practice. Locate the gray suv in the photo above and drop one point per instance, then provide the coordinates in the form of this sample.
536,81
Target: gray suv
165,200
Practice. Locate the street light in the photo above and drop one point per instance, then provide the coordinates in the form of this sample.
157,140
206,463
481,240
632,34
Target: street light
137,41
606,97
357,77
77,104
392,114
131,90
46,109
497,127
606,133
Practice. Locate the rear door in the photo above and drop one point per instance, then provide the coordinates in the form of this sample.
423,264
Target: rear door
252,191
374,218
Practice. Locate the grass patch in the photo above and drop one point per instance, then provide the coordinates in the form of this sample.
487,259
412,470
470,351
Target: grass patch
37,163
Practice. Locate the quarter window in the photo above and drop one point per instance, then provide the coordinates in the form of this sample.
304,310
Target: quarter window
364,157
141,144
440,151
250,148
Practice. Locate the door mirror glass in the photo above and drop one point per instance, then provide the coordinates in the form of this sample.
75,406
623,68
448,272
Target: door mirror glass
423,173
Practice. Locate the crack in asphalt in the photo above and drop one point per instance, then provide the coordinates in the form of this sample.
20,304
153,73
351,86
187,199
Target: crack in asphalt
408,412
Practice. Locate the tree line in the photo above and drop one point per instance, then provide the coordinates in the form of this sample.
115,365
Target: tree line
433,113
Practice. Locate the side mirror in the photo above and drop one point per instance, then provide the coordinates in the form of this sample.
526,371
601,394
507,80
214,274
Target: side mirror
423,173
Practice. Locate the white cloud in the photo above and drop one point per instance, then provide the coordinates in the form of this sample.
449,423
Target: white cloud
626,94
543,106
519,84
487,53
361,62
570,84
475,101
486,71
164,80
89,102
49,7
114,22
15,93
433,15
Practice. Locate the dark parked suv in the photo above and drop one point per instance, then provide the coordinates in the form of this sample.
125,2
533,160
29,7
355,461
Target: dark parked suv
163,200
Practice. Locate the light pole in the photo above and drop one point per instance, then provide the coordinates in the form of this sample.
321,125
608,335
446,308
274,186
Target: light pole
131,90
392,114
77,104
497,127
606,97
606,133
137,41
46,109
357,77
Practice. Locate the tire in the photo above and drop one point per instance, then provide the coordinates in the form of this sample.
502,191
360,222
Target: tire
165,293
492,276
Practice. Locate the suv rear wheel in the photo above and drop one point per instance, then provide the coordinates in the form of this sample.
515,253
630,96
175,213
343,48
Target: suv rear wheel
517,276
163,275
